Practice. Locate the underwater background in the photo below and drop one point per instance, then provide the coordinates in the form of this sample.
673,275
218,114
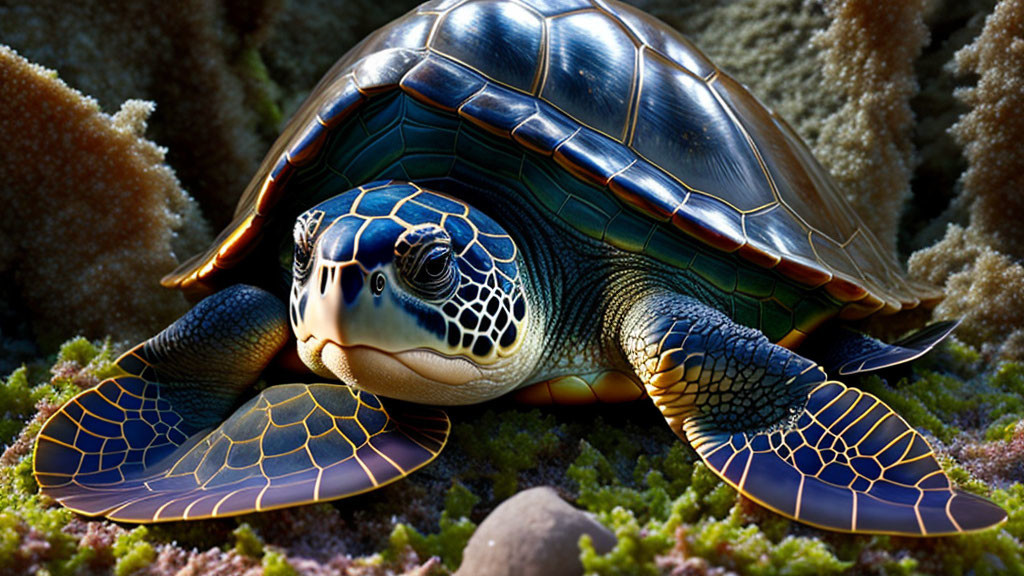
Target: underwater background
129,129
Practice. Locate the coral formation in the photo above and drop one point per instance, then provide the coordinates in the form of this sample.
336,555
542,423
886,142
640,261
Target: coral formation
984,289
869,53
991,131
980,265
92,217
189,58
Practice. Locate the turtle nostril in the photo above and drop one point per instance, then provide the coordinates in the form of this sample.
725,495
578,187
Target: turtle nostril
323,282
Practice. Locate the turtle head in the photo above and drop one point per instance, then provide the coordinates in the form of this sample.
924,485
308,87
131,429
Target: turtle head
408,294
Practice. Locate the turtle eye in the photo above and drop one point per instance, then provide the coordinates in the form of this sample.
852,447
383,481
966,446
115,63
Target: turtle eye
306,227
426,262
435,265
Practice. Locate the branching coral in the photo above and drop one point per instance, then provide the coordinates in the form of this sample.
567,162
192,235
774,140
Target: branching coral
984,289
869,53
92,217
980,264
992,131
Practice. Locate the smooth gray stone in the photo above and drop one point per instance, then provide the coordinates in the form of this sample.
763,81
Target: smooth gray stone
534,533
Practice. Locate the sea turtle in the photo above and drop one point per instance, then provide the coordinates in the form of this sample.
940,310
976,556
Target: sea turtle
562,198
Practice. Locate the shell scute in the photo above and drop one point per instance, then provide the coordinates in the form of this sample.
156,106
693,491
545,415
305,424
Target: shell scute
682,128
412,34
498,158
557,7
629,231
442,83
498,110
478,34
308,144
381,71
663,246
591,75
591,157
370,164
590,219
542,133
338,102
544,188
646,189
666,42
708,220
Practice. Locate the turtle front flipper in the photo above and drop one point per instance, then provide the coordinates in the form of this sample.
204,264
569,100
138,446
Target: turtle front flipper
182,381
769,423
161,443
291,444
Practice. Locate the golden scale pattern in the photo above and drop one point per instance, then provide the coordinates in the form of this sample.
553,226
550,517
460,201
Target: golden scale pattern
842,445
290,444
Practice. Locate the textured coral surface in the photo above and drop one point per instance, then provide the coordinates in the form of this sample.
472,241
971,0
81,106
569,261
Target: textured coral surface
981,265
91,215
913,105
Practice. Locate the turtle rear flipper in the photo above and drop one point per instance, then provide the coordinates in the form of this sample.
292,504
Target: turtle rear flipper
769,423
844,351
291,444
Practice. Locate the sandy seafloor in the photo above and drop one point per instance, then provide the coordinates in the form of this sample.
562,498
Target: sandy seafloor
128,151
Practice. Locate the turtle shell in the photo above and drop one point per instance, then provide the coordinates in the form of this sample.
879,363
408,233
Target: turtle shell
618,100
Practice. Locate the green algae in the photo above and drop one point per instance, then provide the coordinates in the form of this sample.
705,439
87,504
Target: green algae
638,478
28,521
275,564
455,530
247,541
650,508
737,545
45,527
671,504
1002,428
24,388
504,444
634,550
18,400
133,551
